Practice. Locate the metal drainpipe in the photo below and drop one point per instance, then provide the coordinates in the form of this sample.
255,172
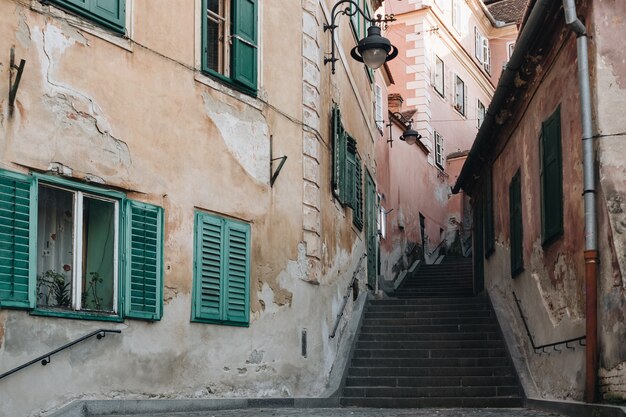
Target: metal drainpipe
591,238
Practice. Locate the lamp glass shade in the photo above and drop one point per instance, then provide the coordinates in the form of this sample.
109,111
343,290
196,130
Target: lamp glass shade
374,58
410,139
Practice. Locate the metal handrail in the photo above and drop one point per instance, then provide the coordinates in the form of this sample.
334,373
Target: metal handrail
345,298
46,358
542,348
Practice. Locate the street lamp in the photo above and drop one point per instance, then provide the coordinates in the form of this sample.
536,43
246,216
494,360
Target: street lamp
410,136
373,50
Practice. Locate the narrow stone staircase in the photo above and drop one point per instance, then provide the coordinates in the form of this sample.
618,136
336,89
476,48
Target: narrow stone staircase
434,344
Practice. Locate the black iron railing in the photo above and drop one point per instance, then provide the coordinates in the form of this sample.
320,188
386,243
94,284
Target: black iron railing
351,288
568,343
46,358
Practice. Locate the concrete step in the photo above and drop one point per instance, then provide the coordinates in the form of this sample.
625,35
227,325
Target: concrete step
438,381
384,314
423,402
450,301
403,306
433,391
432,344
418,321
398,337
435,371
430,362
429,353
442,328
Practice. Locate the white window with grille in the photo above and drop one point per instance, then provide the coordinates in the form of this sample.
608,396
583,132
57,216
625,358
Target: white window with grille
439,150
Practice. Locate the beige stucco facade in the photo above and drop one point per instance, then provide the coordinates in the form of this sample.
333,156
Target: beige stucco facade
135,114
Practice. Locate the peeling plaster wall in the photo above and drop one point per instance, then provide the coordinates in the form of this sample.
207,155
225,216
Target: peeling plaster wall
551,285
132,114
609,69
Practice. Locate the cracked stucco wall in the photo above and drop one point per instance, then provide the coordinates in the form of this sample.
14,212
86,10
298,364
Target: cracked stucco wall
609,71
551,288
132,114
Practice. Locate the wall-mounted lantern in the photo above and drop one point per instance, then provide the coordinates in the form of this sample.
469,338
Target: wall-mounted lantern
373,50
410,136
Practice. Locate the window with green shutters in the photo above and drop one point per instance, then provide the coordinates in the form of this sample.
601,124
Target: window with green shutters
73,250
339,156
516,225
347,175
551,172
357,213
230,41
221,291
108,13
17,214
144,225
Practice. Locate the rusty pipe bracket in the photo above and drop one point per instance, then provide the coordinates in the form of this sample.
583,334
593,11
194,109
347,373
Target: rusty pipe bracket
14,85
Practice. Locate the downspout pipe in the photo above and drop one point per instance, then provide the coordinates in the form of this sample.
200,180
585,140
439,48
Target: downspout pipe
591,232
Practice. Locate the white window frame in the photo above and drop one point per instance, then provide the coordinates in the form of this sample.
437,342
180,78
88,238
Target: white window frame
439,150
481,112
378,107
439,76
225,45
459,17
382,222
482,52
77,245
510,46
460,97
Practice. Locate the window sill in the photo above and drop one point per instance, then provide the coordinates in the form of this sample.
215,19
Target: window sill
223,85
80,23
76,315
220,322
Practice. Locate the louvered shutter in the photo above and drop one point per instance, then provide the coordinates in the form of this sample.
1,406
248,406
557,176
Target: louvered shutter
551,178
236,272
110,13
339,155
245,43
349,183
208,268
358,194
144,261
17,240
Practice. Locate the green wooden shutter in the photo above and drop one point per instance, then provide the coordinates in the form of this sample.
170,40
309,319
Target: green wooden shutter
350,178
144,261
551,178
357,214
488,214
515,226
208,263
237,272
339,155
110,13
244,41
18,218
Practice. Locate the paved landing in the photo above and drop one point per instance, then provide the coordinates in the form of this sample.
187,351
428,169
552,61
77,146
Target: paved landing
360,412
